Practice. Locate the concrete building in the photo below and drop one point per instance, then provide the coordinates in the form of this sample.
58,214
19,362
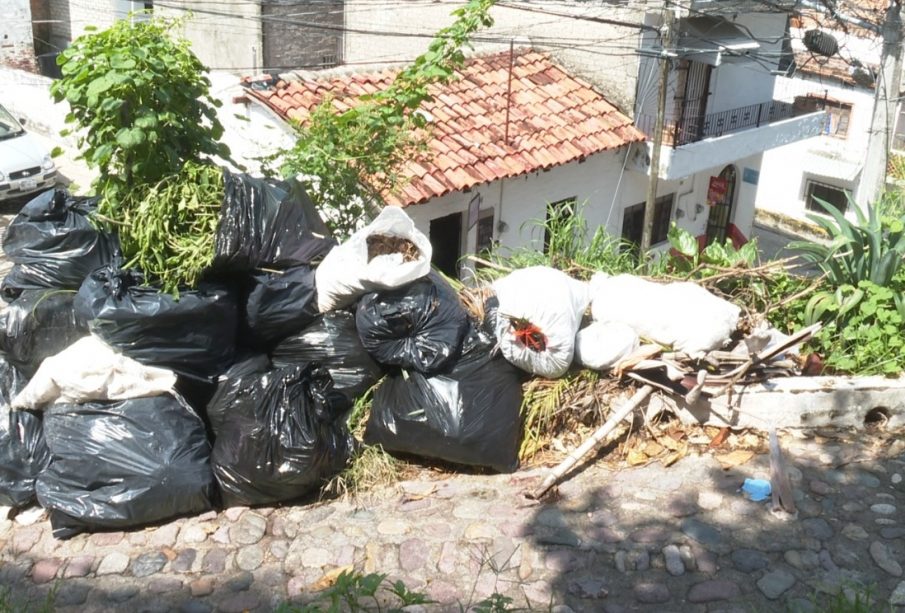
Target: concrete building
829,165
497,158
236,35
272,35
721,113
17,45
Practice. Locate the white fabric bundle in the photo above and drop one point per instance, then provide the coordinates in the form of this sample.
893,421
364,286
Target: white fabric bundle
87,370
683,315
551,301
345,274
601,345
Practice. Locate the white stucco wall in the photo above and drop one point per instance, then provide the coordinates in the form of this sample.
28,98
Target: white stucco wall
518,201
98,13
784,168
250,130
602,53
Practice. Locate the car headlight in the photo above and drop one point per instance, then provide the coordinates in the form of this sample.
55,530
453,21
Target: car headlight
48,162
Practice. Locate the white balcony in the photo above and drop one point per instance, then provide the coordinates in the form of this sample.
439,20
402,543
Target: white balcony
722,138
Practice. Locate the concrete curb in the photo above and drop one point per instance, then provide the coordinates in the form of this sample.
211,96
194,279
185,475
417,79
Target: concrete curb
799,403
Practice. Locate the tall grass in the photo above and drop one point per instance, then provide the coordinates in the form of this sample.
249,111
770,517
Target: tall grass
571,247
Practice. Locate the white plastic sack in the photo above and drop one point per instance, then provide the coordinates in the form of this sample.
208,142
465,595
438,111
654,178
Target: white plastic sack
683,315
601,345
554,303
88,370
345,274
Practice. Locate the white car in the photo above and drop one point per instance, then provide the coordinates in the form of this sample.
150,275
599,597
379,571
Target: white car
25,165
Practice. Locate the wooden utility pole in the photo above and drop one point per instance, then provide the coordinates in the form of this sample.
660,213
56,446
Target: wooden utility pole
665,44
886,95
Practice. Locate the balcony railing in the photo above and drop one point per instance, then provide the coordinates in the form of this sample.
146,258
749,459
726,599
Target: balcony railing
695,129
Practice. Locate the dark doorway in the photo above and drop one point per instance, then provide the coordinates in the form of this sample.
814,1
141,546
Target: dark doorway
446,240
559,219
721,211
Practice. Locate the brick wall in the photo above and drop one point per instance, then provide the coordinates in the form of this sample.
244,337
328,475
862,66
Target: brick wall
302,35
16,43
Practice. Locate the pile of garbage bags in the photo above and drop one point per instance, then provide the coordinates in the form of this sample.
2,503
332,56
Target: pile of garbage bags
122,405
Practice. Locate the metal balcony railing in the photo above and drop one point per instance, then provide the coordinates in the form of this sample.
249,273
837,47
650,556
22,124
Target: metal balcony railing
695,129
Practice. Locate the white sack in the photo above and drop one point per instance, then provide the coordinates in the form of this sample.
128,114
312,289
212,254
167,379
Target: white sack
552,301
683,315
601,345
345,274
87,370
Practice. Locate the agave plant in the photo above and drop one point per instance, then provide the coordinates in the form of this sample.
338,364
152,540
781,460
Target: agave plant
869,249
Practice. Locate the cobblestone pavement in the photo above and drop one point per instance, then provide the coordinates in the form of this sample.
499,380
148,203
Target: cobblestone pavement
658,539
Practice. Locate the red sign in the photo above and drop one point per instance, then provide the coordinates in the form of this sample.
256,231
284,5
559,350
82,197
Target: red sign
716,193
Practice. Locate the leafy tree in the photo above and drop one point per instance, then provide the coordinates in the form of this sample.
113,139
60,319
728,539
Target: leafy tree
140,105
355,156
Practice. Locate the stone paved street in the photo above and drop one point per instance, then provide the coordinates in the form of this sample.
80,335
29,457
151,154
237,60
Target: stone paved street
652,538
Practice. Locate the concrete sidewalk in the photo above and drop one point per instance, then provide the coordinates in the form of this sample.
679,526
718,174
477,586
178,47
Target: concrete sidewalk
650,539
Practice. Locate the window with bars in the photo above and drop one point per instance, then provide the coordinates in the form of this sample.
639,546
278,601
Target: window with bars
835,196
838,114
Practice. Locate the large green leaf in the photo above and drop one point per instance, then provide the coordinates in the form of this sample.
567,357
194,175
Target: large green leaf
129,138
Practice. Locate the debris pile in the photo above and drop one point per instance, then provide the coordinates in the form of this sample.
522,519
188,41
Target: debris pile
123,405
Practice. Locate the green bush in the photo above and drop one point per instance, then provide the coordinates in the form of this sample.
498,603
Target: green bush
145,120
869,249
140,104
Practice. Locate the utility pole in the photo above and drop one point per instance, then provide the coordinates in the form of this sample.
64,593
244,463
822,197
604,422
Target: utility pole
665,44
886,95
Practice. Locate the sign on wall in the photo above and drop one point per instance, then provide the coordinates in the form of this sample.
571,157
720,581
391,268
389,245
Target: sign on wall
717,191
749,175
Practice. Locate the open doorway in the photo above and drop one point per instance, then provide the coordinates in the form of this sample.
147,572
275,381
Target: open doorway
446,241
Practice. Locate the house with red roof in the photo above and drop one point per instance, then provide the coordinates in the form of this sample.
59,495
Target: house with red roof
582,115
510,139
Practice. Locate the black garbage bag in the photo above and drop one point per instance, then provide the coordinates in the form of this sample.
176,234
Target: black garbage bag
194,335
467,416
53,244
37,325
278,433
265,223
279,304
332,341
124,464
419,326
23,453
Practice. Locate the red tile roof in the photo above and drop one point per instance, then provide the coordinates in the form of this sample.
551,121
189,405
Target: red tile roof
554,118
835,67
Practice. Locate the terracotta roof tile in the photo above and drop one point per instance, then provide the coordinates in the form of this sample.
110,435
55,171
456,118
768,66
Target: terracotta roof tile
554,118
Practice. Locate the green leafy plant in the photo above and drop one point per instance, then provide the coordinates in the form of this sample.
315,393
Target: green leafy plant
353,158
353,592
864,325
140,104
168,229
690,259
570,247
145,119
869,249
